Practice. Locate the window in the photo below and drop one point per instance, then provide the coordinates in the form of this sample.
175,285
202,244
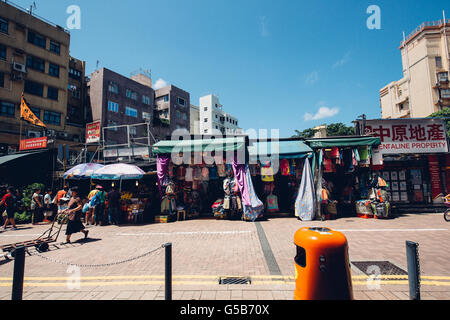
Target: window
74,74
55,47
52,93
2,80
113,87
112,124
146,100
445,93
181,102
438,62
34,88
131,112
51,117
2,52
113,107
206,119
36,111
76,94
133,131
3,25
53,70
206,109
146,116
36,63
166,98
36,39
184,116
442,76
6,109
131,94
73,111
206,130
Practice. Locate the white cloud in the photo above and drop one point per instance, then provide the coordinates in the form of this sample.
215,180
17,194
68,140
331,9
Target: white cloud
322,113
312,78
264,31
342,61
160,83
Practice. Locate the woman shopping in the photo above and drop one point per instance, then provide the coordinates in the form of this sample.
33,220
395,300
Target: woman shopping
74,224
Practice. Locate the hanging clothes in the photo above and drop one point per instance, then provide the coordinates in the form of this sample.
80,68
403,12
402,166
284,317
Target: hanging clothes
254,208
267,174
221,170
239,174
189,174
205,174
272,203
284,167
213,173
305,204
162,164
181,173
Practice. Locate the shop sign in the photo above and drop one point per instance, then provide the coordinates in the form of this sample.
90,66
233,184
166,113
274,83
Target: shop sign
112,153
93,132
402,136
32,144
126,152
435,176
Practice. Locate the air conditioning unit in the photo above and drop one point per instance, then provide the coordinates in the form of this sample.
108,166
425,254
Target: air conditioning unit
34,134
51,133
19,67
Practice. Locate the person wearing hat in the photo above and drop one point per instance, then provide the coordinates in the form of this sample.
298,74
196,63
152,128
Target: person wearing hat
100,207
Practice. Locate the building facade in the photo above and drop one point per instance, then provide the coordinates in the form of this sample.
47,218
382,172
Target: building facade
172,111
195,120
116,100
34,60
424,88
213,119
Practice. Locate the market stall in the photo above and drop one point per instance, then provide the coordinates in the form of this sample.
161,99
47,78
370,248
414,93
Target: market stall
127,178
205,178
346,180
276,168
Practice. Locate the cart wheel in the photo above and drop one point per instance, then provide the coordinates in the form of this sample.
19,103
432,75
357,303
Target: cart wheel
43,247
13,253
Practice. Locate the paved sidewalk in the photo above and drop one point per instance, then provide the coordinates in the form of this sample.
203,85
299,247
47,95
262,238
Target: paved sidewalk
204,250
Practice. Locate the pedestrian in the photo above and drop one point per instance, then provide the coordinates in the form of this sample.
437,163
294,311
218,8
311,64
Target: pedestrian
48,205
92,204
61,194
74,224
100,207
36,206
9,200
114,206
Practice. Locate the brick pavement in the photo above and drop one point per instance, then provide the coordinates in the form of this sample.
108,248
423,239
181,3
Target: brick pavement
203,250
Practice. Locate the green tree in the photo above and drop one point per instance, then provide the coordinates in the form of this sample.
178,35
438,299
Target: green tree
444,113
305,134
333,130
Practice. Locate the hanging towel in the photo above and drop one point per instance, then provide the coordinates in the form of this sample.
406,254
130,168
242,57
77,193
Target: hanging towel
162,164
255,208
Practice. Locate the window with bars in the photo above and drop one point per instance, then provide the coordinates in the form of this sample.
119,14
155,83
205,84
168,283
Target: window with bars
53,70
113,106
51,117
131,112
36,63
37,39
113,87
55,47
7,109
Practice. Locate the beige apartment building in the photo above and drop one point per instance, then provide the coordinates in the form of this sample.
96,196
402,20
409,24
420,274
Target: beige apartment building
34,59
424,88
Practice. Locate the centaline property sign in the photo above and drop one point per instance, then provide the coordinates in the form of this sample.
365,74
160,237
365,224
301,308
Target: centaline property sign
402,136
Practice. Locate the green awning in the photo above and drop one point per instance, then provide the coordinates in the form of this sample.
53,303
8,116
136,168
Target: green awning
343,142
9,158
200,145
280,149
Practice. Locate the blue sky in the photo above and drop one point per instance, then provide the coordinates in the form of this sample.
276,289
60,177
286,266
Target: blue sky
274,64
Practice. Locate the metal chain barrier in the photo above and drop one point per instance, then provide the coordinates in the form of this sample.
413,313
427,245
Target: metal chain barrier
100,265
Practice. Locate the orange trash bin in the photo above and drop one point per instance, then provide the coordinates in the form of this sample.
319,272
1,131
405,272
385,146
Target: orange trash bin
322,266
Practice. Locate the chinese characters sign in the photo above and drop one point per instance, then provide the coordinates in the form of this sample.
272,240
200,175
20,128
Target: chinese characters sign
32,144
409,135
93,132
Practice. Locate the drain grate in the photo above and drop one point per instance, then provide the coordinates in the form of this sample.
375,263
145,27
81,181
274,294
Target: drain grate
234,280
382,267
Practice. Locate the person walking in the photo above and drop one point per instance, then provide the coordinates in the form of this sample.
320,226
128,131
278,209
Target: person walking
114,206
61,194
9,200
36,206
74,224
91,210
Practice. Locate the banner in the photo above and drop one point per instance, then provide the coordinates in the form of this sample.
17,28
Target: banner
403,136
93,132
435,176
27,115
32,144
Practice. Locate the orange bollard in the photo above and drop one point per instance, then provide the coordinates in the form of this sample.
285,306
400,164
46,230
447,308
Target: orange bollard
322,266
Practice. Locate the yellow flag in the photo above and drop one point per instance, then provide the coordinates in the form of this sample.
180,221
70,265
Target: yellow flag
27,115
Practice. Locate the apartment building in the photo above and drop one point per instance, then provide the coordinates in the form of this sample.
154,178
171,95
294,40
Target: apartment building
34,59
172,111
78,112
213,119
195,119
117,100
424,88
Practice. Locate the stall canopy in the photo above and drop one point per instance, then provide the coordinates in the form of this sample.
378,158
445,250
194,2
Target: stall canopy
200,145
284,149
82,171
343,142
118,171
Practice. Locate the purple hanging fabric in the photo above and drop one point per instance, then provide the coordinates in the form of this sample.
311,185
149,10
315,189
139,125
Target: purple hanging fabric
162,165
239,174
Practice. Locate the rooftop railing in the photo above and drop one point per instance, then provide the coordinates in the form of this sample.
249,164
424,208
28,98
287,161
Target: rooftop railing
436,23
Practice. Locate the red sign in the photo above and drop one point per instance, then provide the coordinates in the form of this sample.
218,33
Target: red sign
401,136
35,143
435,176
93,132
